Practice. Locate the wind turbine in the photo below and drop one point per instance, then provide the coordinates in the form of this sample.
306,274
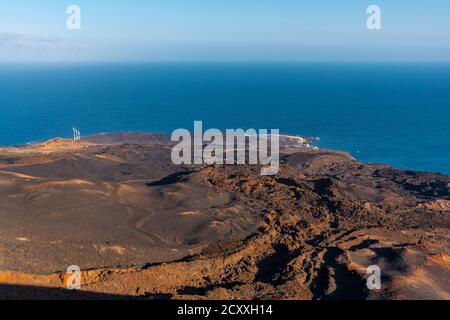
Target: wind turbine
76,133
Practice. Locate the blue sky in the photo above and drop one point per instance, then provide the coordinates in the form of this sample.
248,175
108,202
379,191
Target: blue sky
137,30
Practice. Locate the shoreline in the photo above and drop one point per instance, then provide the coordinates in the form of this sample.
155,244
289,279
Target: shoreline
114,138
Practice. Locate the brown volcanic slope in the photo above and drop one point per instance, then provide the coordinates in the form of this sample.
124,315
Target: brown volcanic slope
141,227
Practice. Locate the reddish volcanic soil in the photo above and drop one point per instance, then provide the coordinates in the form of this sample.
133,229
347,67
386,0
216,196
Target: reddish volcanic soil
141,227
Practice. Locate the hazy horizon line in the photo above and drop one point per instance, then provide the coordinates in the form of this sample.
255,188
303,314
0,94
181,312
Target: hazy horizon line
209,61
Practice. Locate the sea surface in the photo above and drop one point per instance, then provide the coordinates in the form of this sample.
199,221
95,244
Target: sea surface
385,113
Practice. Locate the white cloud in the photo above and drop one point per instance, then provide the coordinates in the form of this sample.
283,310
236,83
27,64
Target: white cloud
17,40
23,47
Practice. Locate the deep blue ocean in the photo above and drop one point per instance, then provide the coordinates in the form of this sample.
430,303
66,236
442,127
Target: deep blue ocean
390,113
